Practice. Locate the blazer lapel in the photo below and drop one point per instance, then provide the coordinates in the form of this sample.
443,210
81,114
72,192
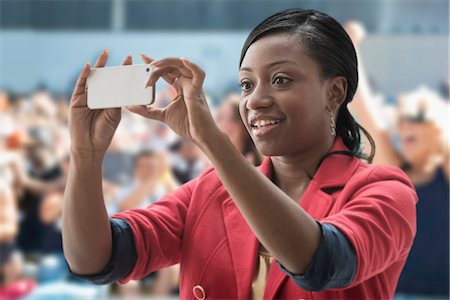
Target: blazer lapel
243,246
276,277
334,171
243,243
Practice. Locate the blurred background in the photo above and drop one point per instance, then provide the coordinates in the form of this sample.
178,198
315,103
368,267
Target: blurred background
402,100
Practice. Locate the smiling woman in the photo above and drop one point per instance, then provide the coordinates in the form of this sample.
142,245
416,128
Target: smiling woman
313,221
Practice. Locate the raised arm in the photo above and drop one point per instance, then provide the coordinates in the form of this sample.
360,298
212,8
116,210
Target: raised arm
85,224
362,106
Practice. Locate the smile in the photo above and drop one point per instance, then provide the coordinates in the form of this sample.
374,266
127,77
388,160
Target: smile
260,128
262,123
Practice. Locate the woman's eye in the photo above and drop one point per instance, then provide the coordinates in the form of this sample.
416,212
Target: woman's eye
246,85
280,80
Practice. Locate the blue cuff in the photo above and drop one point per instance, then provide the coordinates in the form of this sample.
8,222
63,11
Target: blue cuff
123,256
333,264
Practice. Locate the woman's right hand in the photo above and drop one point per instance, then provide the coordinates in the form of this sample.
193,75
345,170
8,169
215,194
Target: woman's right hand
91,130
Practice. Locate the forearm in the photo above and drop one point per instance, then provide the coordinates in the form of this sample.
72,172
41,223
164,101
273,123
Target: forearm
362,100
370,117
280,224
85,223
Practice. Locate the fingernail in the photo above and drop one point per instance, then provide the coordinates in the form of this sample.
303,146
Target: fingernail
106,51
88,63
129,56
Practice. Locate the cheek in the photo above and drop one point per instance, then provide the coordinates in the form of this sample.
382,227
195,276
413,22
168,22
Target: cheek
308,117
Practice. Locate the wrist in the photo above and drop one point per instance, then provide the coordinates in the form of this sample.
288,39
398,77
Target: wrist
86,157
210,139
216,145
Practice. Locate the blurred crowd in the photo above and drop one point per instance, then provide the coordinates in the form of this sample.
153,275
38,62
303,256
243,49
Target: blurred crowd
147,160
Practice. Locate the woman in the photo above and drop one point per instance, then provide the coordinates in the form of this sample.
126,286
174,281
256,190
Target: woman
313,221
423,153
228,119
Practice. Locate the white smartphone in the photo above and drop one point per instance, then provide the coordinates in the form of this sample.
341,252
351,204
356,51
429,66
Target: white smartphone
119,86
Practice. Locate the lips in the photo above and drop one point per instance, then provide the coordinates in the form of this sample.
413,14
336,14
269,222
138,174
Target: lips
262,125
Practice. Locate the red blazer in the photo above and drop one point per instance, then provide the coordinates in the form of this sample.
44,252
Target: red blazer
200,227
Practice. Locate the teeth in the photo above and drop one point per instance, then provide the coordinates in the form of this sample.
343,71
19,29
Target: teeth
260,123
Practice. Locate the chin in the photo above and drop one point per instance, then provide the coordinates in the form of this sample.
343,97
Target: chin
271,150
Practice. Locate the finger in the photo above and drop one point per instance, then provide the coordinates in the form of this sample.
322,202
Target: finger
167,61
146,59
177,87
173,62
101,60
80,87
172,76
128,61
174,70
174,73
147,111
163,72
168,78
113,113
198,75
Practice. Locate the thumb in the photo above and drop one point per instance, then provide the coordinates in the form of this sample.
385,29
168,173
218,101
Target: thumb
114,113
149,112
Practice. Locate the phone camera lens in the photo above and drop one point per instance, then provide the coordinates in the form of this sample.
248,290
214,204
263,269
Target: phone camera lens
148,69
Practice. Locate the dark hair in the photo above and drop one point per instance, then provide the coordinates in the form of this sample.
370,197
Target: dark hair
331,47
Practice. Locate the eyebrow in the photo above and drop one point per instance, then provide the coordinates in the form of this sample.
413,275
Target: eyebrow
269,66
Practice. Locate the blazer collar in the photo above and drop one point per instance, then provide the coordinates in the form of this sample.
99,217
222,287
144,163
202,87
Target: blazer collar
334,171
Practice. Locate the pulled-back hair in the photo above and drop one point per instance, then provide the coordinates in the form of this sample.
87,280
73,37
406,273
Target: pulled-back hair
330,46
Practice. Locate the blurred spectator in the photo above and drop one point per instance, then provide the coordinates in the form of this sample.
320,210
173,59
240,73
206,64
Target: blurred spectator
36,236
187,162
152,180
34,164
118,162
229,121
10,257
423,153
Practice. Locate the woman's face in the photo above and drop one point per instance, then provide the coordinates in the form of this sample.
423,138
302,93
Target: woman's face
146,167
283,99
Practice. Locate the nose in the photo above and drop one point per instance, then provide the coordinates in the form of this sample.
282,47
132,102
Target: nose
259,98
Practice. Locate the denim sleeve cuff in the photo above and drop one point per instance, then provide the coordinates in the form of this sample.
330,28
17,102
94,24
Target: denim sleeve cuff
123,256
333,264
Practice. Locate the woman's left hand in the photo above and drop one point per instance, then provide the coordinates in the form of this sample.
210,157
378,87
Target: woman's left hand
188,114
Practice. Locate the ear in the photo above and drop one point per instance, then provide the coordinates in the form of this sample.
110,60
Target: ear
337,91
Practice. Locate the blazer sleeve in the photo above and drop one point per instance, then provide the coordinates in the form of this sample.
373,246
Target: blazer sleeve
379,220
158,231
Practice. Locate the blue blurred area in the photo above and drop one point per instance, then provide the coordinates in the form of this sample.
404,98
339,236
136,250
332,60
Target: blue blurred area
54,59
45,43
